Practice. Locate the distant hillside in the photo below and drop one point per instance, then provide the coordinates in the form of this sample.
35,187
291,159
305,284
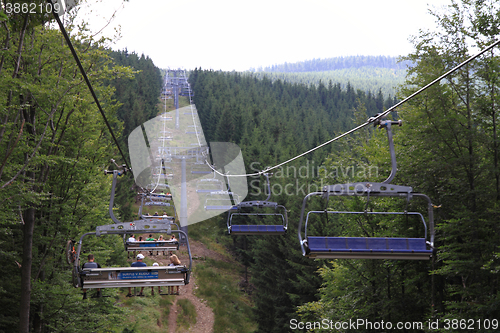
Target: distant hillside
366,73
337,63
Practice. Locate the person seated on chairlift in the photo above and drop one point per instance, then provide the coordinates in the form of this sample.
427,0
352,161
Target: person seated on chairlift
165,214
161,239
150,239
153,288
131,238
174,261
173,239
91,264
155,214
138,263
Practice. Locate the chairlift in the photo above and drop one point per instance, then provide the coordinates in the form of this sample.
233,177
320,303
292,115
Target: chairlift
221,200
119,277
327,247
220,204
262,209
158,196
208,188
157,245
201,171
157,200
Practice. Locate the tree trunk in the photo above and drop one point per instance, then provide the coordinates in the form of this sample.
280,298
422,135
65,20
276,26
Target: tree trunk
24,308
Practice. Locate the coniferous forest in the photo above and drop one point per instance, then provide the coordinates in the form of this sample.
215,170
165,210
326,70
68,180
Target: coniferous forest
54,146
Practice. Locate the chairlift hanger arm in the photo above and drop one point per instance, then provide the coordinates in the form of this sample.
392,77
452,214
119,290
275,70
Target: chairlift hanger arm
112,198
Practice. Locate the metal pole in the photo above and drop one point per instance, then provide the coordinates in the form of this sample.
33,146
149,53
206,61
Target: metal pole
183,216
176,99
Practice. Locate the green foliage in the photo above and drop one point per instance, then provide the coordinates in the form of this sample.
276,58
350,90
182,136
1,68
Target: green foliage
455,135
330,64
367,79
366,73
371,289
447,149
187,314
218,285
53,148
137,95
145,314
271,122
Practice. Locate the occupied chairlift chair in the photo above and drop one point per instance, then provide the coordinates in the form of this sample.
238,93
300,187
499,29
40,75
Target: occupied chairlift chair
368,247
258,208
117,277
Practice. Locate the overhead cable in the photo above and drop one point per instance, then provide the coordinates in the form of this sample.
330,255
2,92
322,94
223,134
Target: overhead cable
369,121
78,62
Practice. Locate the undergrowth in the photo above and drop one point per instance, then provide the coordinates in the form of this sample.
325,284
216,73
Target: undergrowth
218,284
186,315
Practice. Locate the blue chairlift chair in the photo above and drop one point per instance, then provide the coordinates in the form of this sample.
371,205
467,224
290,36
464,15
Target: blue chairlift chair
328,247
258,208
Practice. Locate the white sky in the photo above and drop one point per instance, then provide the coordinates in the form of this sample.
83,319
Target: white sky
238,34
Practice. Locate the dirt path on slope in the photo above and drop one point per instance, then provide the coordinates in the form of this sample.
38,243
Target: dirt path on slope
204,314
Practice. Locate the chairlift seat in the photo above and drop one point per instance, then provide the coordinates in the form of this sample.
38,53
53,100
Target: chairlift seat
260,229
221,207
118,277
152,245
157,203
258,204
206,191
367,248
159,218
157,196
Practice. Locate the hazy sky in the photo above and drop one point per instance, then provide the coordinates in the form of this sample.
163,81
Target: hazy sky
239,34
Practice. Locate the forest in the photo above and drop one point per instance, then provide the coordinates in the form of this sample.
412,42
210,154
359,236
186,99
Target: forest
367,79
54,147
330,64
366,73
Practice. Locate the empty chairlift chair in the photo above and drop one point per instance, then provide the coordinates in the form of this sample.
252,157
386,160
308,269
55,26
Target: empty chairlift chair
258,208
368,247
221,200
218,200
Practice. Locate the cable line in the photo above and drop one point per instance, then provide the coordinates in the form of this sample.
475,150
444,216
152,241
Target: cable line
370,120
73,51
